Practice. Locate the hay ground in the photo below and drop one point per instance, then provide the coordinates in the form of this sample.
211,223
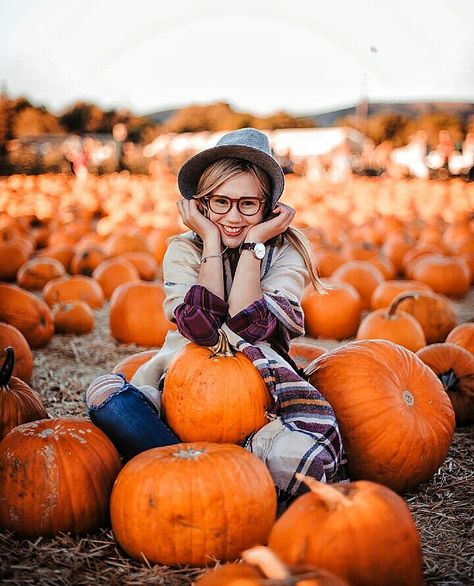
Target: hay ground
443,509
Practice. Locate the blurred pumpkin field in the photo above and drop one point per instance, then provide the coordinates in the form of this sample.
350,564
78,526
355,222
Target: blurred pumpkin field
390,345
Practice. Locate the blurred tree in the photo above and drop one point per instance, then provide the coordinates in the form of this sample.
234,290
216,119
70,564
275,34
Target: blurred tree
82,117
31,121
433,123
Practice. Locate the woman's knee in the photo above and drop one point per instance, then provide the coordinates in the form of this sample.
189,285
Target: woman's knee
102,388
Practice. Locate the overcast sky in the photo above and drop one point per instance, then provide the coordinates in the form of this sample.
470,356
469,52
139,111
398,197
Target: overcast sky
259,55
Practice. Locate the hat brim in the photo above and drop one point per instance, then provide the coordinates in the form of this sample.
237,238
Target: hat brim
193,168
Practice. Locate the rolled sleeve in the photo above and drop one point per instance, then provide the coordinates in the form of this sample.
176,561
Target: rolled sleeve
200,316
255,323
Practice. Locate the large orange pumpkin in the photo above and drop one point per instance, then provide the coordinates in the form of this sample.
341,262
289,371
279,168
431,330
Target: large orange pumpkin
18,402
11,336
56,475
454,366
449,275
362,532
27,313
334,314
136,314
463,335
395,418
394,325
214,395
386,292
192,504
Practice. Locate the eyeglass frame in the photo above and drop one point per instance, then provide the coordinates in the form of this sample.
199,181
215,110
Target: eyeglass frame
232,201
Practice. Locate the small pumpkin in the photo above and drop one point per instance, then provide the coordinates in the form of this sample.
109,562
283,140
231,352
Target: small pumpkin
262,567
303,353
144,262
27,313
362,275
449,275
434,312
11,336
113,272
395,418
322,527
394,325
18,402
463,335
214,395
172,505
56,475
37,271
129,365
74,317
86,259
386,292
14,253
77,287
454,366
335,313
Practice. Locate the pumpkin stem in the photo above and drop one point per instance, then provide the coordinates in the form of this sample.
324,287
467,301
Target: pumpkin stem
222,348
267,562
7,366
398,299
332,497
449,379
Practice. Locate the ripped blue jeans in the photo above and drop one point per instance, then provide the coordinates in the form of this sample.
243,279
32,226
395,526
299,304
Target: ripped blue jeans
130,421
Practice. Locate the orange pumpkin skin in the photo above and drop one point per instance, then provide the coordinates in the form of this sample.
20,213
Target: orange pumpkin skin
18,402
364,513
463,335
14,253
77,287
155,512
362,275
36,272
303,353
114,272
129,365
27,313
394,325
448,275
136,314
395,418
336,314
434,312
56,475
75,317
144,262
63,252
454,366
11,336
386,292
216,399
86,259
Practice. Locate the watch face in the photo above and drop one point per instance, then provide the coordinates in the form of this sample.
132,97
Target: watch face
259,250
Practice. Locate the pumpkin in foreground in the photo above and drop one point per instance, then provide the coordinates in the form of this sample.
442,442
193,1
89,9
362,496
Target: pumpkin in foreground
214,395
360,531
18,402
56,475
262,567
11,336
192,504
395,418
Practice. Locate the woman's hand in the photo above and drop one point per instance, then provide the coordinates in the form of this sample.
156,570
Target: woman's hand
194,219
262,232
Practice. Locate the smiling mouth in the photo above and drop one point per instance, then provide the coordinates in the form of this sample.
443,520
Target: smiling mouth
232,231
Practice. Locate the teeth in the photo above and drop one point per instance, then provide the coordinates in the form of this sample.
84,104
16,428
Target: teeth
233,230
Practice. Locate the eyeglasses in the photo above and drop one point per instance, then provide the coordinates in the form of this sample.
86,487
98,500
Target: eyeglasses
221,204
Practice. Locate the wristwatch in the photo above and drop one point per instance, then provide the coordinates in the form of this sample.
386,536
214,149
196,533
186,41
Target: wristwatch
258,248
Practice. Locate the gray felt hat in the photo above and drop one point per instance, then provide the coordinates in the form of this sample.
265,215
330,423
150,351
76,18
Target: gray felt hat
248,144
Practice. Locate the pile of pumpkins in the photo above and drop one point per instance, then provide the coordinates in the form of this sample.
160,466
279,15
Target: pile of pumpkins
398,390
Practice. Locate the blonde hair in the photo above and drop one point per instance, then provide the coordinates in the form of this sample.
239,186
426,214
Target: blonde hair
224,169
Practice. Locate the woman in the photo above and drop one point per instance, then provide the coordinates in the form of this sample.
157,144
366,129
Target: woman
240,270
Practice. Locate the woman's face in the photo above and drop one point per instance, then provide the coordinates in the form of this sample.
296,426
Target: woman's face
234,225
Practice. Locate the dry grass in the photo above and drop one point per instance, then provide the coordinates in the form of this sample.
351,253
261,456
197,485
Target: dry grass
443,508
